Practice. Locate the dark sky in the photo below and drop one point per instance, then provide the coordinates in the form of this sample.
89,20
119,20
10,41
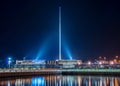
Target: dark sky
90,28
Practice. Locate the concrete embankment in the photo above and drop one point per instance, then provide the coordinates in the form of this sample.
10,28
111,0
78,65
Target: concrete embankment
15,73
91,72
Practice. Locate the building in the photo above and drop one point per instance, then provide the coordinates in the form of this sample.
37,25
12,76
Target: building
47,64
29,64
69,63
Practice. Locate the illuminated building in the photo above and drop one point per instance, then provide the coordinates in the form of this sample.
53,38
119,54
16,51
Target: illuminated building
69,63
29,64
47,64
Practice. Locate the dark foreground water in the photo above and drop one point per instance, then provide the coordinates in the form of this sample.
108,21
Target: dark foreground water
62,80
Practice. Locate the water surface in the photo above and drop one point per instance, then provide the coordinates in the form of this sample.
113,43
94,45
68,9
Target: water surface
62,80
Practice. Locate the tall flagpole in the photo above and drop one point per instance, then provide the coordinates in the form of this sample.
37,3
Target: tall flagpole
59,32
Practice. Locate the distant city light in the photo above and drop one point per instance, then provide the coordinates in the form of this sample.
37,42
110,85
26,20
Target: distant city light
100,63
111,62
89,63
115,60
79,63
104,58
116,57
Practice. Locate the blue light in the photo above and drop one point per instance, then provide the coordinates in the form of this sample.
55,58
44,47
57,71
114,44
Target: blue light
9,61
67,51
41,52
43,49
9,58
38,81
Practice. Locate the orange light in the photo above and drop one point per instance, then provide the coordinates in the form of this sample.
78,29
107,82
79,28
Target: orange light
115,60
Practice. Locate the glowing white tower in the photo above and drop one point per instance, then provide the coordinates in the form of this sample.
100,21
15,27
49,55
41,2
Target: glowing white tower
59,32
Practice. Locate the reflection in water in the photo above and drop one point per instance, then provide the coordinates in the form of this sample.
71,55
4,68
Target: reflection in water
62,81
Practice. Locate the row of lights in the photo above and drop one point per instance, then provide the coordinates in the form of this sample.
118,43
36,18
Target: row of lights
104,58
100,63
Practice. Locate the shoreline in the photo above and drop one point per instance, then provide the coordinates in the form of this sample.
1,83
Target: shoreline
35,72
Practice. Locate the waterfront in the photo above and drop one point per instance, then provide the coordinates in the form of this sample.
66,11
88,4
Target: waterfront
62,80
33,72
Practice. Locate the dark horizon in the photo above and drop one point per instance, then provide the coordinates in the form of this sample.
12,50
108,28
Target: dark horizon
30,28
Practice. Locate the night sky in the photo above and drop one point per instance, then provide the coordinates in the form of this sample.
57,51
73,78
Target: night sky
29,28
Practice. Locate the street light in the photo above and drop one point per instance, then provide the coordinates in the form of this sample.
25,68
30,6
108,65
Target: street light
116,57
9,61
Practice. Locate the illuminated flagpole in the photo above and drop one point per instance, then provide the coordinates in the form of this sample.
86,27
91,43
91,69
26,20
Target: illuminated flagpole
59,32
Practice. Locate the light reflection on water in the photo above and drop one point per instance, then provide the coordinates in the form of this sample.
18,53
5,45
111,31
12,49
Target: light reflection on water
65,80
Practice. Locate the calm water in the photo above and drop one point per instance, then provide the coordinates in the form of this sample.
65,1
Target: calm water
62,81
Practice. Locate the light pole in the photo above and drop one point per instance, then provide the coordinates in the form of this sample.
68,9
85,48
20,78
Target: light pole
9,61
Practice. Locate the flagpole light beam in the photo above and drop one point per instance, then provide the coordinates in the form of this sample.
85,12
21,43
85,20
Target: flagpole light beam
59,32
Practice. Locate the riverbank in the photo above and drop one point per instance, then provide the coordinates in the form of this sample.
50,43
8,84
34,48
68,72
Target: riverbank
32,72
91,72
